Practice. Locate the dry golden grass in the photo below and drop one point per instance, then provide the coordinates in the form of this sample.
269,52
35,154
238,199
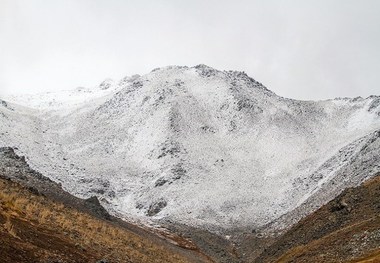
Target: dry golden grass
116,243
373,257
8,226
333,233
337,238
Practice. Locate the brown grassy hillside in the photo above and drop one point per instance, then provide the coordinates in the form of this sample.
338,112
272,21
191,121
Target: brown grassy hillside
41,222
35,229
347,229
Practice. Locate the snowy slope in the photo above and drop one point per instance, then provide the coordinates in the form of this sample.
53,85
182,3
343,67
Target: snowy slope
193,145
66,99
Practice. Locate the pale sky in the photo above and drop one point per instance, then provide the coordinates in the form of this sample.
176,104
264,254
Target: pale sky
297,48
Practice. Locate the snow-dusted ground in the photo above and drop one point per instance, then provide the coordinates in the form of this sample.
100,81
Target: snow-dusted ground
194,145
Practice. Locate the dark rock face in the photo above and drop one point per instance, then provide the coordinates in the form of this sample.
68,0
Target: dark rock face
15,168
156,207
160,182
5,105
94,204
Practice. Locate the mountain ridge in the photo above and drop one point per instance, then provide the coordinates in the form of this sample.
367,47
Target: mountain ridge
180,131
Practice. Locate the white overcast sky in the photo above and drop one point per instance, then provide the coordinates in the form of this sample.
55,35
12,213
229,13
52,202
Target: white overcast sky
297,48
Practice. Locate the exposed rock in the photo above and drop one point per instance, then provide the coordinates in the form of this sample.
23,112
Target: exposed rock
106,84
156,207
160,182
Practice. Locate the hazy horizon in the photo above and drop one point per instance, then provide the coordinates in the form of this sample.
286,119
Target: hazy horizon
307,50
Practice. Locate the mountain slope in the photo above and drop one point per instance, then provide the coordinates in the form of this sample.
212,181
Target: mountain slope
347,229
198,146
39,222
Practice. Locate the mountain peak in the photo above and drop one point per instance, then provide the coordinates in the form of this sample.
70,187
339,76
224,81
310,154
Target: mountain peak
196,145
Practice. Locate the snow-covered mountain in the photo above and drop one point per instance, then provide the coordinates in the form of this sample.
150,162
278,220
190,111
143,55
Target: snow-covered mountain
196,146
